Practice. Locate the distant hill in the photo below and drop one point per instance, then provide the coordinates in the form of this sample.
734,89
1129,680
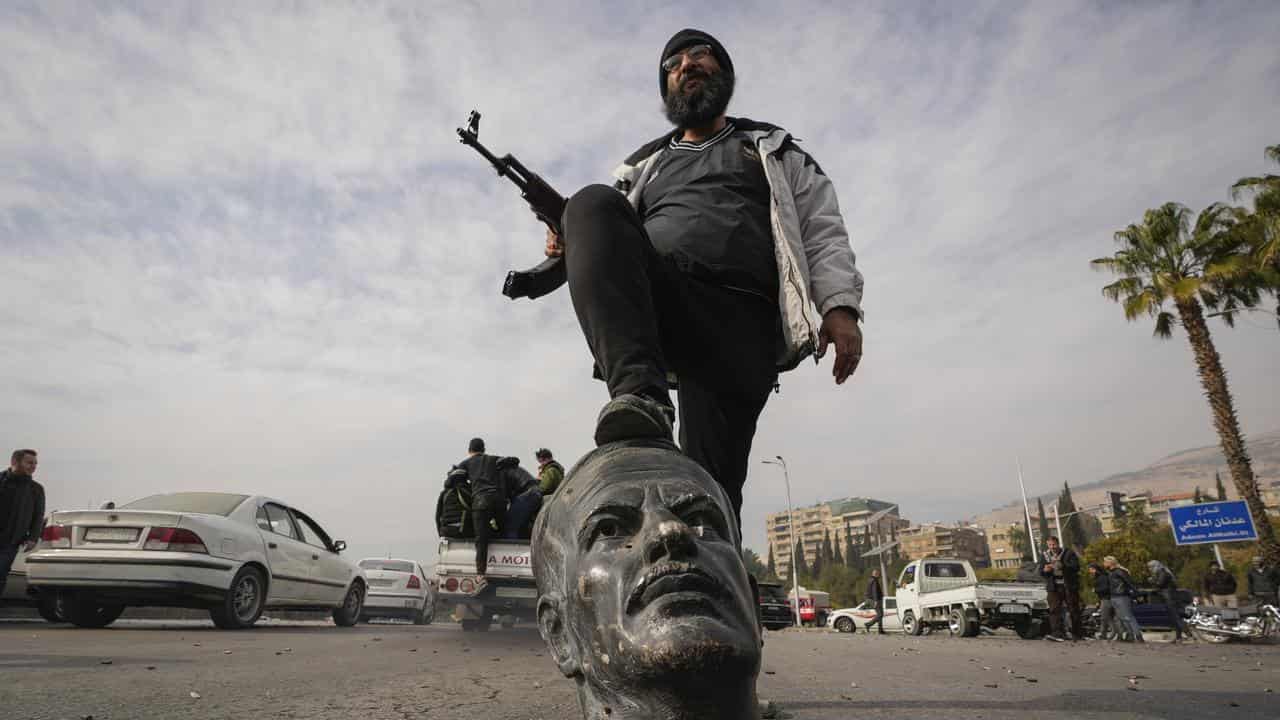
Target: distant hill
1180,472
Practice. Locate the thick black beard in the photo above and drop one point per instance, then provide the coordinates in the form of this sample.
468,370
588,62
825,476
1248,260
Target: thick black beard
704,104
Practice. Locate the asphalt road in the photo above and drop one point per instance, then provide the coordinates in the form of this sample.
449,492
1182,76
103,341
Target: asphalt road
188,670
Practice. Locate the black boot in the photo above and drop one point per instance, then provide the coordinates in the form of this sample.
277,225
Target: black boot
633,417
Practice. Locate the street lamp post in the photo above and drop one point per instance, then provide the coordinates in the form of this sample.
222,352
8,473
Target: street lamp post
791,520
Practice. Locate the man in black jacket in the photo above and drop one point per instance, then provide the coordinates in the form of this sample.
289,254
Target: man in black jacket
1264,582
875,593
21,509
1220,587
1061,572
488,497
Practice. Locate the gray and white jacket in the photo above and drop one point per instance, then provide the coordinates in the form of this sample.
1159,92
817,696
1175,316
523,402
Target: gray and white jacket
816,269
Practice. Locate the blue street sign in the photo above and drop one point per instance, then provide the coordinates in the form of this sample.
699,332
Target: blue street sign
1213,522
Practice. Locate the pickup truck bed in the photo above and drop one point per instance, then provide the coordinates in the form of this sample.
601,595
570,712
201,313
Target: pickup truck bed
506,589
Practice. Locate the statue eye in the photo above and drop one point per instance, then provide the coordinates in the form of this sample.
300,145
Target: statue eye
705,524
609,528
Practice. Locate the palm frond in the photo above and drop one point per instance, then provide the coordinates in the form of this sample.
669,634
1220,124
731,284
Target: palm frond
1164,325
1144,303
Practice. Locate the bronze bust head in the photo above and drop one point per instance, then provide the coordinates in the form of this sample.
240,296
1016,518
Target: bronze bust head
643,598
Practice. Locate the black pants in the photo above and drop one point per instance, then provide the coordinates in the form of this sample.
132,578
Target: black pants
8,553
1071,600
480,519
644,316
1175,608
879,619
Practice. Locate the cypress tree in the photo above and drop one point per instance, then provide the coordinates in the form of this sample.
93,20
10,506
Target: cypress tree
1222,490
839,556
773,567
802,566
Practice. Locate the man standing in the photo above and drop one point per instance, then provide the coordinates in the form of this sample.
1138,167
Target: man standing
875,593
1220,587
1062,581
708,259
1107,626
550,472
1264,582
1122,592
21,509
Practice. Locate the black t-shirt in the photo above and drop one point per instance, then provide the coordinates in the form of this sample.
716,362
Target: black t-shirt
706,205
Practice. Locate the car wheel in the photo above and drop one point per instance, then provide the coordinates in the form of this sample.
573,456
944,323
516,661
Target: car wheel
84,610
845,625
961,624
51,605
352,604
427,614
242,604
909,624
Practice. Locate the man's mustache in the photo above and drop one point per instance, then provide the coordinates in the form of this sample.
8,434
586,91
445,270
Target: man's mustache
689,578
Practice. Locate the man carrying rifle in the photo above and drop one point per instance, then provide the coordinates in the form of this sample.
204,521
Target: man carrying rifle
707,259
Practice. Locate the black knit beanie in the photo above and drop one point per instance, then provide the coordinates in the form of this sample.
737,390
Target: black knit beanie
686,38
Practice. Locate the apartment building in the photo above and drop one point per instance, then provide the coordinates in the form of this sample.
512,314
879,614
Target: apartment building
841,518
1000,546
1157,507
953,541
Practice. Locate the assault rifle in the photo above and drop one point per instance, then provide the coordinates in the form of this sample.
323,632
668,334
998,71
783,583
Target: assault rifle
545,202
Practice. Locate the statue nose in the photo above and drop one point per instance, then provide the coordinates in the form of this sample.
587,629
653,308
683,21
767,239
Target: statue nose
672,539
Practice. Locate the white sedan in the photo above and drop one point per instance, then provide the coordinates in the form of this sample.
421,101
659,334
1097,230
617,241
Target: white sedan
234,555
856,618
398,589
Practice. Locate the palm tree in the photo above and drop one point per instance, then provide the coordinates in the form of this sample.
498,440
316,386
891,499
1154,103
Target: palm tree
1167,260
1261,225
1266,209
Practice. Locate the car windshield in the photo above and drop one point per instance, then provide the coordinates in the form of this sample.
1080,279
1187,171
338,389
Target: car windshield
192,502
392,565
773,593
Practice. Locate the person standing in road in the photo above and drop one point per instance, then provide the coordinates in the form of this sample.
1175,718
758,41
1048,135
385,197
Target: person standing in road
1102,588
1264,583
719,255
1167,585
875,593
550,472
1220,587
21,509
1122,592
1062,582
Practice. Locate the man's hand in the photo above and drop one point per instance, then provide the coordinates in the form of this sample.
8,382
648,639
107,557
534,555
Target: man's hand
840,326
555,248
29,545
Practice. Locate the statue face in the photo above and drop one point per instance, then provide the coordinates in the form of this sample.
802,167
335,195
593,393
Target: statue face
656,584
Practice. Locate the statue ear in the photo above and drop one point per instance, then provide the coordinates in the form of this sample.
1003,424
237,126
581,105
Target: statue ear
551,626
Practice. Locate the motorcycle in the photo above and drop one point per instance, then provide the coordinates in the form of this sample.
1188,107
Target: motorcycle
1251,622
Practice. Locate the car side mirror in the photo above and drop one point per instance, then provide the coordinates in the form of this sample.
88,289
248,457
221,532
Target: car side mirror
339,545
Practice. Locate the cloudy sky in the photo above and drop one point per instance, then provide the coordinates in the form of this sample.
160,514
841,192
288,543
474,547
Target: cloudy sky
243,249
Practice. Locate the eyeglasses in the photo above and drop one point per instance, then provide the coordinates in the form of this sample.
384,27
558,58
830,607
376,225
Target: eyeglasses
695,53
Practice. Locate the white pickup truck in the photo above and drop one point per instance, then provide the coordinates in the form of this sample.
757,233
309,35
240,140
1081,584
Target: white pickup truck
507,589
941,592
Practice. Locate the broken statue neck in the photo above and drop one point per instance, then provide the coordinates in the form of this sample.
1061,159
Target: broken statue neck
729,698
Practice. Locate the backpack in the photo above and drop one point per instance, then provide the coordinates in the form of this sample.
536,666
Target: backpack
453,507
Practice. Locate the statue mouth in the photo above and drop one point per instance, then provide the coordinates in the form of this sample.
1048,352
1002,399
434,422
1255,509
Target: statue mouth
677,581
